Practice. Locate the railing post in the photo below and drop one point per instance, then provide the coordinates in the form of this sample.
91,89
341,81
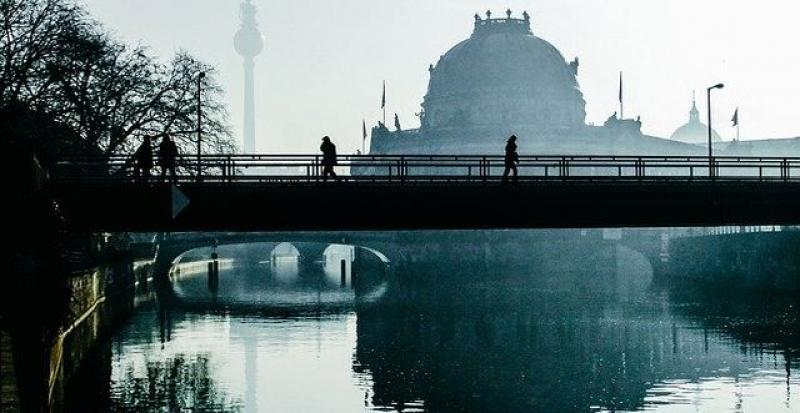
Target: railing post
316,168
712,169
785,169
223,166
639,168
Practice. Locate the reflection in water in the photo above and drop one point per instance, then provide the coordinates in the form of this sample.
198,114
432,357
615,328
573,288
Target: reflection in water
279,282
442,343
511,347
177,383
247,364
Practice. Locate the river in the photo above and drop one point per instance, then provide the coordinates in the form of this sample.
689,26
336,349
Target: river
282,336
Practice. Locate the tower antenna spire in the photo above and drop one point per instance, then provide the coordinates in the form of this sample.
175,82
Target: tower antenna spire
248,43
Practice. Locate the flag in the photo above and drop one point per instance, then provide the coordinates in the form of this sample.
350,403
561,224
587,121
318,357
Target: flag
363,130
620,87
735,118
383,97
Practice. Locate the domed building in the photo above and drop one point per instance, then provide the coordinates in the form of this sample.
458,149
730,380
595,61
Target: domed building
503,75
694,131
505,80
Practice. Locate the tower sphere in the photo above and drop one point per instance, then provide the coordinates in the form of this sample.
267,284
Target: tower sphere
248,40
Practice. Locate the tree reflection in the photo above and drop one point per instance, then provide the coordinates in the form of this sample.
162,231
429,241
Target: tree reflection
179,384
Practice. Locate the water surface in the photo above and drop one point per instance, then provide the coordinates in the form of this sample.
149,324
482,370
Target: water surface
294,339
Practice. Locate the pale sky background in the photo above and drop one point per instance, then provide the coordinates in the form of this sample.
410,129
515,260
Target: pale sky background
324,60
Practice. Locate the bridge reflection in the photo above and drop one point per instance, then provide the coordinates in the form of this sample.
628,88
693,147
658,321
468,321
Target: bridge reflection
444,340
276,276
436,337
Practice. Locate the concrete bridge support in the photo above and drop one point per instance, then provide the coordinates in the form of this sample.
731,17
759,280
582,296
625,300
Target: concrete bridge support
311,252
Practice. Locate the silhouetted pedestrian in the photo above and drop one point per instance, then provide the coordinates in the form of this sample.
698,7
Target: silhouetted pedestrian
143,159
511,159
328,158
167,158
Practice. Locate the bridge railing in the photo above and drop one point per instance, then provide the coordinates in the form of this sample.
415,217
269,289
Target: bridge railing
449,168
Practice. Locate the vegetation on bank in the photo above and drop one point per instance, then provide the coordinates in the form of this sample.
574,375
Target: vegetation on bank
68,85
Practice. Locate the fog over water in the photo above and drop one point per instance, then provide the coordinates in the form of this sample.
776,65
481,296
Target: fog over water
447,337
496,320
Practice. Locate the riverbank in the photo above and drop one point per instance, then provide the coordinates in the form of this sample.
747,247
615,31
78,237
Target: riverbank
35,368
756,260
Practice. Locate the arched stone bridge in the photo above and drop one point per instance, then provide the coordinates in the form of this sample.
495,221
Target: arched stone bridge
475,249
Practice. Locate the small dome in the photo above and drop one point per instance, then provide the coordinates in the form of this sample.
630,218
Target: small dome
503,75
694,131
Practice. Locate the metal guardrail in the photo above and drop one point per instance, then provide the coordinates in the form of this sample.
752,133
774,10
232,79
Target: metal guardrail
441,168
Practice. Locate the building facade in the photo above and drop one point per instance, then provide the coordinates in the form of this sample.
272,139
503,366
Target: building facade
506,80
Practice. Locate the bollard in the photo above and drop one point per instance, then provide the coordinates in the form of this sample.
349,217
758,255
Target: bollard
213,277
353,275
344,273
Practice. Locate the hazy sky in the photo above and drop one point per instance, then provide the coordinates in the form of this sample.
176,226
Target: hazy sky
324,61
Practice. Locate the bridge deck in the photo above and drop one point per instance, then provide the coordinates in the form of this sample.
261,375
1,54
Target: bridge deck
432,192
363,206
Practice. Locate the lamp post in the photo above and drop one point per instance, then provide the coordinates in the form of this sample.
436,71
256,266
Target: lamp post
199,121
710,150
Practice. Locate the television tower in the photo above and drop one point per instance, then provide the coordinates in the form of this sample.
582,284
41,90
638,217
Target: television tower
248,43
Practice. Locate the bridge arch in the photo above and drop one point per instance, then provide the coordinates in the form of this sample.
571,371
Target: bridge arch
311,246
284,249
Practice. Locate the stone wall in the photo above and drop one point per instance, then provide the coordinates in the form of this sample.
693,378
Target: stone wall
99,300
768,260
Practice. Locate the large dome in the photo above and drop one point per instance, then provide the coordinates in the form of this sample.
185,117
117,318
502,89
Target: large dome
504,76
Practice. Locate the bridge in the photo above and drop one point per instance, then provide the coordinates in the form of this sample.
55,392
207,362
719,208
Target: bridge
384,192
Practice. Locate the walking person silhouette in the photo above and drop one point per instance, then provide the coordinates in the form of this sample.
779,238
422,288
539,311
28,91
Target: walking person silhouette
328,158
143,158
511,159
167,158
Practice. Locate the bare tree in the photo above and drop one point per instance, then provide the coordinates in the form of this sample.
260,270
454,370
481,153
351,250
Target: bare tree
58,61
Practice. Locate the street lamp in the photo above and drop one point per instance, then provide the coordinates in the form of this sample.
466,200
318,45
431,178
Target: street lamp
710,150
199,120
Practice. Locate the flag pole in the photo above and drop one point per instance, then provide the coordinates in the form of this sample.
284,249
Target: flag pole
383,103
363,136
737,132
738,125
621,104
